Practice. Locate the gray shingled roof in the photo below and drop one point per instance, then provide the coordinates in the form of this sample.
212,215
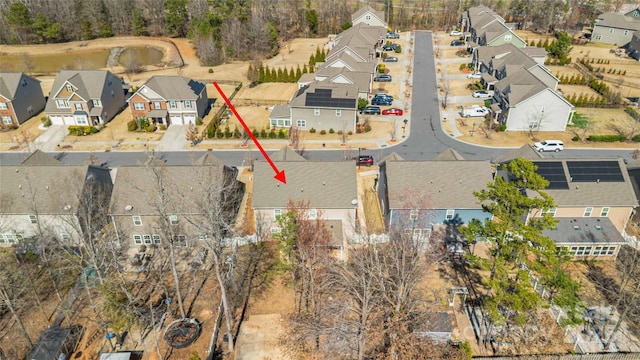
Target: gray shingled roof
446,184
351,63
394,156
360,79
617,20
90,84
208,159
585,230
449,154
286,154
184,185
48,188
280,112
594,193
526,152
174,87
9,82
40,158
520,86
361,11
326,185
338,91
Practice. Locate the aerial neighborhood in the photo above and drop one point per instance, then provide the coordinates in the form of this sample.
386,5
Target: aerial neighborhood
381,185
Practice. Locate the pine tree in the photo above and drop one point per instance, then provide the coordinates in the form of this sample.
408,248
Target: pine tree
298,73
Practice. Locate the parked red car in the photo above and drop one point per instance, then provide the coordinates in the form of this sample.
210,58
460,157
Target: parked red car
392,111
364,160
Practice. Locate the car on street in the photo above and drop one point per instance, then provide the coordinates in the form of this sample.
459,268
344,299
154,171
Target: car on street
364,160
381,100
390,59
475,75
481,94
382,78
389,47
457,43
456,33
392,111
370,110
549,145
393,35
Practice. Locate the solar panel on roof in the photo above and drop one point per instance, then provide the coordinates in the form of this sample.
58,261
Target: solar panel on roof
554,173
594,171
322,98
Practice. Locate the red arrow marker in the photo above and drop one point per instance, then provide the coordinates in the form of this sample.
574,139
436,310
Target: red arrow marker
279,174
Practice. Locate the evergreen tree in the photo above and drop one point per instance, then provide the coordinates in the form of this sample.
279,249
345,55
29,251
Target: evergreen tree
139,23
298,73
518,247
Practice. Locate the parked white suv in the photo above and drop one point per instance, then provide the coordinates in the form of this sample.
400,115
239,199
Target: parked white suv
549,145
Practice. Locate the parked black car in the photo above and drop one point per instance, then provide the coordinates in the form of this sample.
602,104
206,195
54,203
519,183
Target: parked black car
382,78
379,100
370,110
389,47
457,43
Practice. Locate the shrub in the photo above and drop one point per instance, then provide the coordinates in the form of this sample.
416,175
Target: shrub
227,132
398,49
45,121
162,127
331,131
575,138
81,130
236,133
282,134
322,132
219,134
350,133
263,133
340,132
210,71
150,128
132,126
381,68
501,127
463,66
198,120
272,134
607,138
312,130
633,113
212,127
367,128
636,138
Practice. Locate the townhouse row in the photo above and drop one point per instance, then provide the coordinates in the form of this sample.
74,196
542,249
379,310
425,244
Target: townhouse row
95,97
427,200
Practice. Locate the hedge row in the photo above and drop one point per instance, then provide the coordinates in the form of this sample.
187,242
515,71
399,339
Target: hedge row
608,138
82,130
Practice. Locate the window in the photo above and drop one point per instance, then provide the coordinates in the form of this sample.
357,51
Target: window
137,220
33,219
368,17
507,38
11,239
533,124
313,214
173,219
96,102
62,104
626,32
3,106
551,211
146,238
413,215
78,106
137,239
172,104
587,211
604,212
611,31
81,120
450,214
301,123
69,88
580,250
138,106
203,237
338,112
187,104
598,37
2,240
156,105
316,111
280,123
65,236
276,213
179,241
155,238
7,120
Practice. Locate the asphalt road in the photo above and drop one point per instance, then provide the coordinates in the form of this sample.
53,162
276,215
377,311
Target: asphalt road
426,140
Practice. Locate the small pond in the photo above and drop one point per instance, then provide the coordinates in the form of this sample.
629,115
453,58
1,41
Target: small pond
78,59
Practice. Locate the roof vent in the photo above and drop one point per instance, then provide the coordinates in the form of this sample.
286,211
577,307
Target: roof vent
128,207
576,227
301,189
598,227
598,181
17,170
19,186
67,207
47,187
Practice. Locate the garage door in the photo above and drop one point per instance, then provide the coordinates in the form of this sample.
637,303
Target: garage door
68,120
189,118
56,120
176,119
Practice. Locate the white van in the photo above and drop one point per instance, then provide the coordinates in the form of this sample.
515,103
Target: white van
549,145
